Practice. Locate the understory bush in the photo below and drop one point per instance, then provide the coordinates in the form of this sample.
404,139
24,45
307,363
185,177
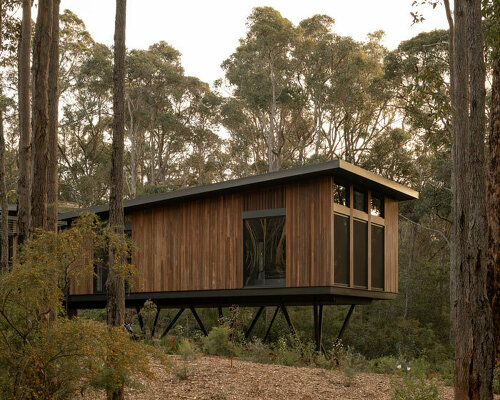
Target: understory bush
410,386
43,354
218,342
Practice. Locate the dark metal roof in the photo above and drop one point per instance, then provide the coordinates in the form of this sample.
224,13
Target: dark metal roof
336,168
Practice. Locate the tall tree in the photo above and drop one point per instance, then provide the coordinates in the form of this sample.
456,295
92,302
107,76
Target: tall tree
53,88
24,182
41,61
492,19
115,288
115,285
4,238
474,340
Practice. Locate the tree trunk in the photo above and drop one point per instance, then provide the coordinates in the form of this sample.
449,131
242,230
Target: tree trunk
473,344
493,196
41,52
53,121
4,237
24,180
133,151
115,286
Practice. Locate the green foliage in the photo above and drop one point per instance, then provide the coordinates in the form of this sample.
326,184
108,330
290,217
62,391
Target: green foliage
257,351
187,351
496,380
218,342
411,387
44,355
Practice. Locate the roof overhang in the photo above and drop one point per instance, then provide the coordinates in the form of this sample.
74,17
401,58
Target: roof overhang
335,168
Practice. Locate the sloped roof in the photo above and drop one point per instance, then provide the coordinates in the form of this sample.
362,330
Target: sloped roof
337,168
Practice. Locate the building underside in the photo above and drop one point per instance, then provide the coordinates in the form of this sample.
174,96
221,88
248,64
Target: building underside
280,298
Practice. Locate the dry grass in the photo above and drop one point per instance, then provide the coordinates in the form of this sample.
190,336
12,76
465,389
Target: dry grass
213,378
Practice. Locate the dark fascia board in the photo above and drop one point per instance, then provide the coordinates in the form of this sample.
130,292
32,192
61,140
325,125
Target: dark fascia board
335,168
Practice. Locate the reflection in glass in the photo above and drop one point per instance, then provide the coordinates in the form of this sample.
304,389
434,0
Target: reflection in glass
377,206
360,200
100,270
360,256
341,194
264,251
378,274
341,249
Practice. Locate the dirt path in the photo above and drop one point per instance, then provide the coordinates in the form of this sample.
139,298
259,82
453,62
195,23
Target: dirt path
213,378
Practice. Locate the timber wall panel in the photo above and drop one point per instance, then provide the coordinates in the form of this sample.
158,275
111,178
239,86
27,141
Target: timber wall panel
264,199
309,231
85,283
391,245
194,245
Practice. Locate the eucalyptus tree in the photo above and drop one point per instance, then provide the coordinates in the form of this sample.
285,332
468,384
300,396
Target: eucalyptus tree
261,72
85,130
40,113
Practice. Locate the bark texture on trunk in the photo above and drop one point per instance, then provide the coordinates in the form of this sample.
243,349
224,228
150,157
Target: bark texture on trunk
473,341
41,51
494,206
4,236
24,180
115,288
52,177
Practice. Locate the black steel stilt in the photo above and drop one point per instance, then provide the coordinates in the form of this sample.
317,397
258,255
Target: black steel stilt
172,323
139,317
197,318
252,325
155,322
221,315
288,320
346,322
271,323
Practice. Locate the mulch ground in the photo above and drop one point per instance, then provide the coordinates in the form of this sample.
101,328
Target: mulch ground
214,378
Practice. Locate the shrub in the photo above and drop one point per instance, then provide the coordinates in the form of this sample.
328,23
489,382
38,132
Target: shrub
258,352
385,365
286,355
218,343
43,354
411,387
187,350
496,380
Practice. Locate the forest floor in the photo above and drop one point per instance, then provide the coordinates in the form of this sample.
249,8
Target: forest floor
216,378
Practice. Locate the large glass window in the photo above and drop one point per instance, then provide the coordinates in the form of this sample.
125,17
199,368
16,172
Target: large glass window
360,256
341,249
341,194
264,251
378,273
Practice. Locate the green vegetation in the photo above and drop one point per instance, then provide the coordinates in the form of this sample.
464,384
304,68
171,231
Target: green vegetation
45,355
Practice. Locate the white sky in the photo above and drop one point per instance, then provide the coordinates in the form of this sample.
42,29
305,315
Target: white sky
207,32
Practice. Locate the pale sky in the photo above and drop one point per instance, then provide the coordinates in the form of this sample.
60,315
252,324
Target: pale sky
207,32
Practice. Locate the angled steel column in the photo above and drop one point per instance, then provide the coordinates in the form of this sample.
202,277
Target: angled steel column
197,318
254,321
153,329
271,323
288,320
172,323
346,322
139,317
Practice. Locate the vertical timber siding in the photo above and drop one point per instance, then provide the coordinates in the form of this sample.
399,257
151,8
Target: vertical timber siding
85,283
309,233
194,245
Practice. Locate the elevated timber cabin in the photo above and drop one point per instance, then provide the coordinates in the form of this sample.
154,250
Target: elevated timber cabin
323,234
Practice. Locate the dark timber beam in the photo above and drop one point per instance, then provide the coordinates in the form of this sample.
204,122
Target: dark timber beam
254,321
271,323
172,323
288,320
197,318
346,322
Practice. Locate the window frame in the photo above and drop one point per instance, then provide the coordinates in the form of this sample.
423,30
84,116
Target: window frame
370,219
256,214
